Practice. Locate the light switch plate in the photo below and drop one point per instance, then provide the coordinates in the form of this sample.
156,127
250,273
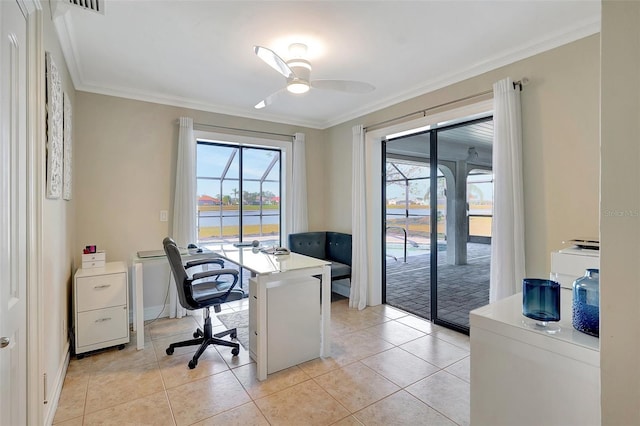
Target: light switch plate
164,216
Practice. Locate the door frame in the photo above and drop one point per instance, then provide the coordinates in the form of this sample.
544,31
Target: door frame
36,154
374,167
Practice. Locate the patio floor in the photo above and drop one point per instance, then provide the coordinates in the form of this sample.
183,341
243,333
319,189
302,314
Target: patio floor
461,288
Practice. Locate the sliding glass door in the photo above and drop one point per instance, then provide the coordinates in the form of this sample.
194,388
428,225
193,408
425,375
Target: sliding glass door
407,230
462,272
438,192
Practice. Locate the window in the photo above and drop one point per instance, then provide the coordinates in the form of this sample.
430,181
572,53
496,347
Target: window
239,190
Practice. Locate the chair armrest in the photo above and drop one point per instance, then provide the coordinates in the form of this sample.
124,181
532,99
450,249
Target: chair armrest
214,273
198,262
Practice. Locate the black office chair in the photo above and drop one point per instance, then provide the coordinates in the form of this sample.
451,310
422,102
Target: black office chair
195,292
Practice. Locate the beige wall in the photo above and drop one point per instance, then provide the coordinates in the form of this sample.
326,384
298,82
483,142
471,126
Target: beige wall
560,146
58,266
125,170
620,214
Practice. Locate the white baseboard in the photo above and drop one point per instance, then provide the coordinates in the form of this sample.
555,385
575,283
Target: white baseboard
52,400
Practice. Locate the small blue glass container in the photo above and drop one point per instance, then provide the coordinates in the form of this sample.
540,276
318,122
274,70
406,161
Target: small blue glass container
541,300
586,303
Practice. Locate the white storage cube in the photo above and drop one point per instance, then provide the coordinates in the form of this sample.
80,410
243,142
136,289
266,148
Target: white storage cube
94,260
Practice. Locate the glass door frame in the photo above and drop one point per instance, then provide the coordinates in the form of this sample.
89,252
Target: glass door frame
433,201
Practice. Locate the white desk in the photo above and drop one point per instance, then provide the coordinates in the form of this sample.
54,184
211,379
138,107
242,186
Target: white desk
137,281
266,269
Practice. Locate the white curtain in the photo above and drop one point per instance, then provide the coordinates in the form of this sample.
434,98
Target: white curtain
360,260
184,204
507,240
300,217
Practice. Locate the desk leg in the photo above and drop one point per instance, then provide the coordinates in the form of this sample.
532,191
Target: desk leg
325,332
139,308
261,328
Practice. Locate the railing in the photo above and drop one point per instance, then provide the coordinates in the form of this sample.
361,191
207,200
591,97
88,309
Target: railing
405,241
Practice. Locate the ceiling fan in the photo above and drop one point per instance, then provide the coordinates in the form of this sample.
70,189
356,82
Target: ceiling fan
298,74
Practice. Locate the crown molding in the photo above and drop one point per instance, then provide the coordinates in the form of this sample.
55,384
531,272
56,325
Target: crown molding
63,27
579,31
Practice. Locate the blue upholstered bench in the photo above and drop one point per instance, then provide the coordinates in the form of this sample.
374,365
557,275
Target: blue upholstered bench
334,247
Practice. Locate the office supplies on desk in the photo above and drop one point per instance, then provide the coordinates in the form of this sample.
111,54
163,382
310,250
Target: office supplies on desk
254,243
277,251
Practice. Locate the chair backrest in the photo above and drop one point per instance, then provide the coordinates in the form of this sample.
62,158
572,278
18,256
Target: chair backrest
183,284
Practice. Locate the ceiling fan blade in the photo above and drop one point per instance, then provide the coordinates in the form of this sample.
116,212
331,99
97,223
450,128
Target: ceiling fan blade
269,99
343,86
273,60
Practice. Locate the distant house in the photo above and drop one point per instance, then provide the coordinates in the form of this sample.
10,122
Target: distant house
205,200
270,200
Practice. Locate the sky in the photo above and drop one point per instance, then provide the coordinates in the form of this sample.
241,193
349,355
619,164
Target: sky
211,161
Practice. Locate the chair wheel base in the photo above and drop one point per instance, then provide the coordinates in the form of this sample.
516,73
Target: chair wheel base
233,335
235,351
192,364
169,351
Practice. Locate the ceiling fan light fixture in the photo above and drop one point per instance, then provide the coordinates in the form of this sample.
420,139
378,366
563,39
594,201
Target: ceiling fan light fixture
297,71
299,63
301,74
298,86
298,50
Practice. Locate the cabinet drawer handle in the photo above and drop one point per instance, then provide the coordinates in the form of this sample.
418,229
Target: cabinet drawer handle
103,319
102,286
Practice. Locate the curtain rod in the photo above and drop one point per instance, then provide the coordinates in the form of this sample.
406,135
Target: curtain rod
423,112
244,130
518,83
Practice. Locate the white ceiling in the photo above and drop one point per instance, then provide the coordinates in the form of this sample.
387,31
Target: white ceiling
199,54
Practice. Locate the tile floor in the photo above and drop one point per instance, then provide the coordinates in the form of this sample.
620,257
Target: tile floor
388,367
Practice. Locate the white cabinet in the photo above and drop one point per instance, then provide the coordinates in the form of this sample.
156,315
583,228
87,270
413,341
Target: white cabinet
571,263
524,376
101,307
94,260
293,322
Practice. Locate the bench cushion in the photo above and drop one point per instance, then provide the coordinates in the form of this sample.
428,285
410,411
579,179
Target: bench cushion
340,270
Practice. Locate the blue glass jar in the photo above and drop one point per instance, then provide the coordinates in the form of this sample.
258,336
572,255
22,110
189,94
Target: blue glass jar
541,300
586,303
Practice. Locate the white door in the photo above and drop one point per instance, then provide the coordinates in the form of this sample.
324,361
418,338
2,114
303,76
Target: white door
13,213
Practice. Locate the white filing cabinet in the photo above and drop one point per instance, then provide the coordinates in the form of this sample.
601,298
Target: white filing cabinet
571,263
293,322
101,307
